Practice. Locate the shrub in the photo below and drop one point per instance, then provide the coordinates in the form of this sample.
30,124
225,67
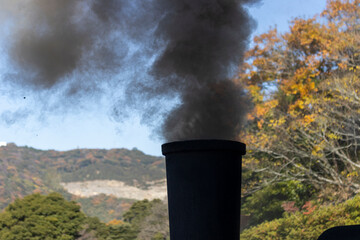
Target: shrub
309,225
268,203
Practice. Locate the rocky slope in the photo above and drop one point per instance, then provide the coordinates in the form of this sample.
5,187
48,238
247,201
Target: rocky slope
116,188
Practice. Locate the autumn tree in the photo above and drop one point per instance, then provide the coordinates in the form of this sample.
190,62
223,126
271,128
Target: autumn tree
304,85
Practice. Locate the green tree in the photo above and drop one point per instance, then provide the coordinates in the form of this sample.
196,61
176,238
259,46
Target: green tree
156,225
122,232
93,229
147,219
307,224
270,203
138,211
38,217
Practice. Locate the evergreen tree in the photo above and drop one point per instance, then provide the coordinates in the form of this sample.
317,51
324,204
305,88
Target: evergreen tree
38,217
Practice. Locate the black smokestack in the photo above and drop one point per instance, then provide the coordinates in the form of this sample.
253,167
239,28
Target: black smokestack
180,49
203,182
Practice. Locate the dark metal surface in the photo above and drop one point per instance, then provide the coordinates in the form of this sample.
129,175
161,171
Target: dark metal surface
341,233
204,181
203,145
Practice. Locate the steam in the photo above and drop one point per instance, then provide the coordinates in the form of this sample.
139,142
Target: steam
180,49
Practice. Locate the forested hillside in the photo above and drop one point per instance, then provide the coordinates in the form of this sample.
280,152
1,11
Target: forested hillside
26,170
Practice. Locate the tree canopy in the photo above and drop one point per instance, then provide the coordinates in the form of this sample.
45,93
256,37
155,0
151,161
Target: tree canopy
303,133
45,217
304,85
41,217
307,224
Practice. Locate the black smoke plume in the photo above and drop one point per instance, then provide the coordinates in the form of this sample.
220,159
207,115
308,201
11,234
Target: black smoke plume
184,49
51,40
204,40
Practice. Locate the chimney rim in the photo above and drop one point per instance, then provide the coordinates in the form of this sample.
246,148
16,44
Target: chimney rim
203,145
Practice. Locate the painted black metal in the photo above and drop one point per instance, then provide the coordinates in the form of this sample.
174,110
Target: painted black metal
341,233
204,183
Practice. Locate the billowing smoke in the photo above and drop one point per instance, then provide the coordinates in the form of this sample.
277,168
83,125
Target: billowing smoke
191,49
50,40
205,40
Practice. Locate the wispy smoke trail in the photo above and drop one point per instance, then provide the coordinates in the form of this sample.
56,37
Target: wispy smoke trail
192,47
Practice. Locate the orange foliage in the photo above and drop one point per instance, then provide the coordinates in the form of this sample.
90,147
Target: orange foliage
115,222
98,200
125,206
293,81
111,200
309,207
37,191
157,163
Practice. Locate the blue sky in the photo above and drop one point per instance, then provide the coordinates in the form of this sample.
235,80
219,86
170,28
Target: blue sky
91,126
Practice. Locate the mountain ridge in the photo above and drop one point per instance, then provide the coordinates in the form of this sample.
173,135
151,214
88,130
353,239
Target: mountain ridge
25,170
